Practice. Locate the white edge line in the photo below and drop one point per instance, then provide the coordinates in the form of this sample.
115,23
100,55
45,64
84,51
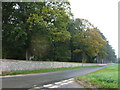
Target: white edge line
54,86
48,85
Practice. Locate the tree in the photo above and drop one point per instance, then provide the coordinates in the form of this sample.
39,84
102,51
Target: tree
86,40
106,53
47,31
111,57
26,19
13,31
89,43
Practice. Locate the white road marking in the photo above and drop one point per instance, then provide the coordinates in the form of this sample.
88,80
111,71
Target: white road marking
70,82
58,82
34,85
64,81
48,85
55,86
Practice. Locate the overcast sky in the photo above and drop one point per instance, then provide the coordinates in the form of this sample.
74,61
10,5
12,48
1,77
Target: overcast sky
102,14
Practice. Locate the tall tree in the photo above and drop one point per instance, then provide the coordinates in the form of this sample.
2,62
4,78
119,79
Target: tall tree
86,40
111,57
23,20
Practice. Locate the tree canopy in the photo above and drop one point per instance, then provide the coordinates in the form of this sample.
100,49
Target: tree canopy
48,31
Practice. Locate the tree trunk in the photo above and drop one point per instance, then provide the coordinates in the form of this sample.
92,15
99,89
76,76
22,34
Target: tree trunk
102,61
27,57
71,47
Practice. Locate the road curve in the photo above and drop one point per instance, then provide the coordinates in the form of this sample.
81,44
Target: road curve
39,79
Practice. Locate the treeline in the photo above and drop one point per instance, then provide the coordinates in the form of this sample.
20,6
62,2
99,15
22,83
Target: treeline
47,31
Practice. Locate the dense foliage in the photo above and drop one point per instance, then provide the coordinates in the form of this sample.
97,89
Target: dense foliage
48,31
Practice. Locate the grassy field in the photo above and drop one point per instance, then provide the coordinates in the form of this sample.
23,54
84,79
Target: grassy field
104,78
43,70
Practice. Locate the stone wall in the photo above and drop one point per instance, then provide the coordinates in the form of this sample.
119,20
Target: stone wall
14,65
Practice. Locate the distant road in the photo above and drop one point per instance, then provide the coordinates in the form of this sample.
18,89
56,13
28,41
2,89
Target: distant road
39,79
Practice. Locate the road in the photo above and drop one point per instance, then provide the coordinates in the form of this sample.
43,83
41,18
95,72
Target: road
40,79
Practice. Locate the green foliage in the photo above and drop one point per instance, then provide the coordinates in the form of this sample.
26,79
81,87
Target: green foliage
44,30
84,61
40,45
111,53
86,39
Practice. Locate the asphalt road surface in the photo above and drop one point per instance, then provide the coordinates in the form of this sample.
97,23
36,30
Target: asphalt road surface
40,79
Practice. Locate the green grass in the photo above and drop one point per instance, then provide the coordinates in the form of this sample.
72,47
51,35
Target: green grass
43,70
104,78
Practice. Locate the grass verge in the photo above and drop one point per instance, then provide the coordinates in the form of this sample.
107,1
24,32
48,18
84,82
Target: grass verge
104,78
43,70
